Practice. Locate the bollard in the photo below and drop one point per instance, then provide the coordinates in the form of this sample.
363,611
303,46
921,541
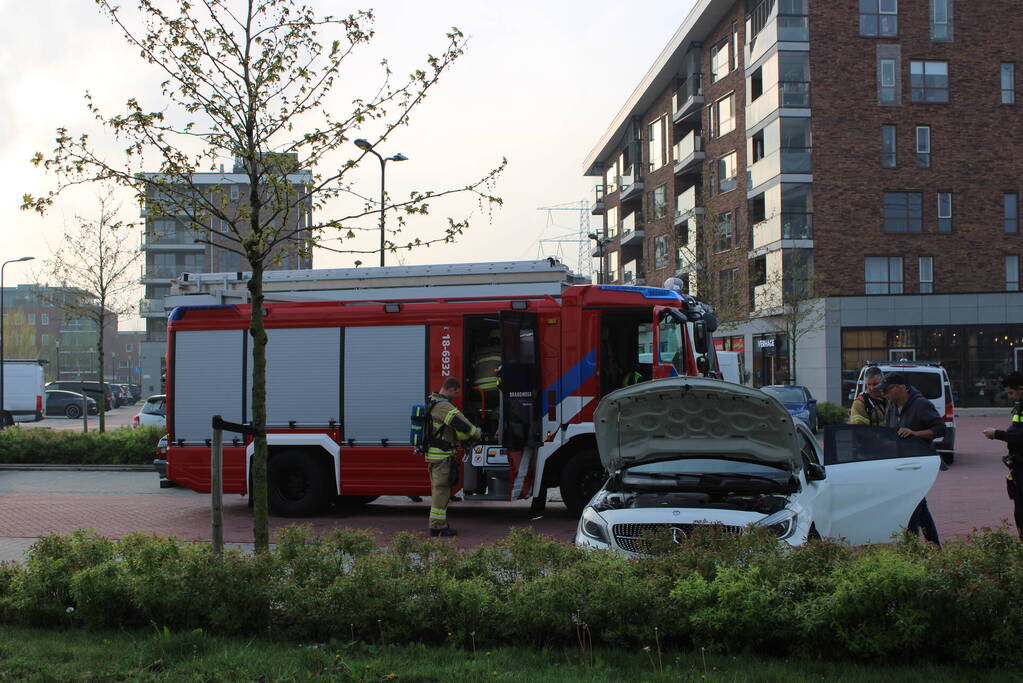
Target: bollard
217,486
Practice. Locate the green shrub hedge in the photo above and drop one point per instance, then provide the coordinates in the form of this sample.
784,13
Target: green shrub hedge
832,414
903,601
127,445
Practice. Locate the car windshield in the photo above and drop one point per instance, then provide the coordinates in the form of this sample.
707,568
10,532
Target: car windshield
704,466
927,383
786,394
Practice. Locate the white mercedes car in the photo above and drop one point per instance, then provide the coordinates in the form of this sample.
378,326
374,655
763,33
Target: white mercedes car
688,451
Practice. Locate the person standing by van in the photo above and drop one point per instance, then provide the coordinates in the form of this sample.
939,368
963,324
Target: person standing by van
913,416
869,407
1013,438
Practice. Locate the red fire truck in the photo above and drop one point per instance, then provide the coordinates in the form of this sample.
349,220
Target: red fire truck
342,377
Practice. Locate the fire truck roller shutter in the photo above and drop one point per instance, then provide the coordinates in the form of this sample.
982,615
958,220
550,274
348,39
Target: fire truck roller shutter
207,381
303,367
385,373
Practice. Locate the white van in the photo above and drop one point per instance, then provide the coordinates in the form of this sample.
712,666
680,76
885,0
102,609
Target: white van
730,364
931,380
23,391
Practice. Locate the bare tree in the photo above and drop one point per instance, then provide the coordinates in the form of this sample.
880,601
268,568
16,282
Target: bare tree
95,268
250,80
700,250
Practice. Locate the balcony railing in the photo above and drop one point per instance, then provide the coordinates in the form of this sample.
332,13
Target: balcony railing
784,160
794,94
632,272
183,238
600,193
631,182
688,152
787,226
152,272
151,307
687,97
788,94
686,203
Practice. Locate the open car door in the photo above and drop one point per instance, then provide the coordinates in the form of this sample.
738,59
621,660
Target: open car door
876,480
520,379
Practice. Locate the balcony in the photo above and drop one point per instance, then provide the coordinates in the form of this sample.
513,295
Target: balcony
152,308
784,95
153,272
688,99
686,205
688,153
632,273
790,160
630,184
600,193
766,297
786,226
765,27
632,230
173,241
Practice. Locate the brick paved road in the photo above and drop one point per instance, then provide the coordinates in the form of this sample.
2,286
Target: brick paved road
971,494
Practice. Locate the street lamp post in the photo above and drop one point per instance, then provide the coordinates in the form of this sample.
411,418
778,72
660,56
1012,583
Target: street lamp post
601,250
366,146
3,411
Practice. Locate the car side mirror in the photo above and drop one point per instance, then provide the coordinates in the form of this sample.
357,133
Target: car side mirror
815,472
812,401
700,338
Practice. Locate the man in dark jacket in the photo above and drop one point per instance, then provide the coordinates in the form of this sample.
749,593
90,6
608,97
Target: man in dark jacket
913,416
1013,438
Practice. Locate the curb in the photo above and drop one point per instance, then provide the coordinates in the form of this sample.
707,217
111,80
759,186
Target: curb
78,468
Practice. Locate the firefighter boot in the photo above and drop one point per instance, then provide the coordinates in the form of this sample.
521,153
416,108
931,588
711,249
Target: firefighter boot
446,532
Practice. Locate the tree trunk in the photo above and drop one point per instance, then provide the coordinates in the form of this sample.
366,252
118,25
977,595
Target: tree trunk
102,385
257,330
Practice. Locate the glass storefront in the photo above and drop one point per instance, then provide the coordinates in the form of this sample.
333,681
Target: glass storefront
975,356
771,360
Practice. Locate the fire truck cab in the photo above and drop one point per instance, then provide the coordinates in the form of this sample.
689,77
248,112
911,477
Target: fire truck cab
342,376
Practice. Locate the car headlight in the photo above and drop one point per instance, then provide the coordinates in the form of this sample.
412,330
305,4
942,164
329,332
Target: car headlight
593,526
782,523
803,414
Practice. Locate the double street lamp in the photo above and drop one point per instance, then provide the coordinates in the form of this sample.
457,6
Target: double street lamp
367,146
3,410
601,244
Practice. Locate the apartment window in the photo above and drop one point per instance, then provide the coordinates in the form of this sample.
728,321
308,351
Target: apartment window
756,84
611,229
888,153
234,193
879,18
727,174
661,251
1012,272
659,201
1008,72
128,348
944,212
903,212
122,364
44,340
794,79
887,87
928,81
655,144
1011,202
44,318
793,23
727,280
923,146
941,20
31,318
719,61
926,267
883,274
757,147
726,232
612,266
724,115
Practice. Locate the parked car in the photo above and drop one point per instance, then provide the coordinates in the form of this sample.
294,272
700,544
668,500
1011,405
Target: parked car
154,412
68,404
685,452
797,400
931,380
90,389
123,395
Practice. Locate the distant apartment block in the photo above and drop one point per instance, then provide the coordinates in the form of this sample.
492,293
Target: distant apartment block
868,147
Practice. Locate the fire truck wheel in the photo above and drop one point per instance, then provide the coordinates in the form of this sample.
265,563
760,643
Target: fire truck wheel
580,479
296,484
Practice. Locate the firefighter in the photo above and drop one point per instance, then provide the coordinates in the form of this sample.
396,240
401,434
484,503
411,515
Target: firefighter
1013,438
449,427
869,407
486,379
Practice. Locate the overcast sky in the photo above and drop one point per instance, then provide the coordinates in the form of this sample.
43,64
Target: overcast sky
539,84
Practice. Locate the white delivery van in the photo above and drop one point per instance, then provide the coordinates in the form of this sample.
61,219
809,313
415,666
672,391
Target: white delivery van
23,391
730,364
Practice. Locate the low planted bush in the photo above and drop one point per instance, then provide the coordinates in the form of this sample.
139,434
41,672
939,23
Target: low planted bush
832,414
727,594
124,446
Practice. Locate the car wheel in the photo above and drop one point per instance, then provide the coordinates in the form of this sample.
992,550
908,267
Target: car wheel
813,534
580,479
73,411
296,484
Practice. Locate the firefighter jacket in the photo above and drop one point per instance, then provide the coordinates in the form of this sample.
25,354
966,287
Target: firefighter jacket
485,368
1013,436
867,410
449,427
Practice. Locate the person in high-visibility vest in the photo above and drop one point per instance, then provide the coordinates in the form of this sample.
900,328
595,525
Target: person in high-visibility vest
869,407
449,427
486,379
1013,438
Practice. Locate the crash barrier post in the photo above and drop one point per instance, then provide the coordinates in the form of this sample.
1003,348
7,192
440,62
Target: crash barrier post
216,476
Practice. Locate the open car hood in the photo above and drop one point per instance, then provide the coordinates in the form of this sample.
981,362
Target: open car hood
694,417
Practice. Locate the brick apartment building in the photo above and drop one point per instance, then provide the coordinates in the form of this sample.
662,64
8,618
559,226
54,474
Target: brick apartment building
867,148
171,248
